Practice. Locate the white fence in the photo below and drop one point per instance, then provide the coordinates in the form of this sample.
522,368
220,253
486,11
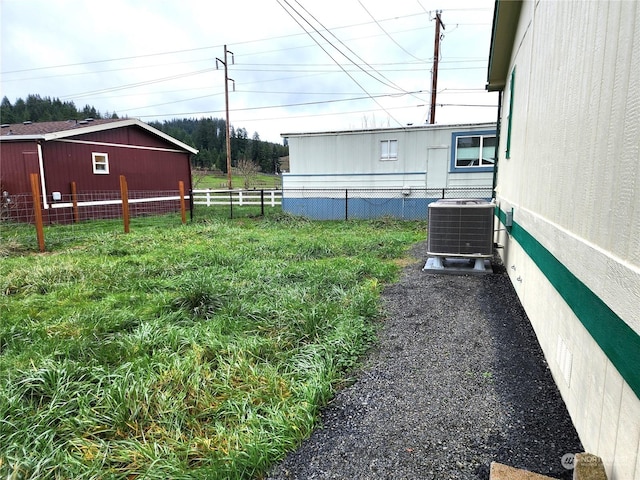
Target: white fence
237,197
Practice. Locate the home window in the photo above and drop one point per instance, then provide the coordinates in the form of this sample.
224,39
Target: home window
388,150
475,151
100,163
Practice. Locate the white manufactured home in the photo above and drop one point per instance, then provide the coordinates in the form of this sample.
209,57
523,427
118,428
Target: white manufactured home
402,169
568,198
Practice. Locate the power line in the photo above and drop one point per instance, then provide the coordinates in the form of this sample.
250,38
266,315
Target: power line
174,52
301,104
387,34
137,84
178,114
330,56
338,50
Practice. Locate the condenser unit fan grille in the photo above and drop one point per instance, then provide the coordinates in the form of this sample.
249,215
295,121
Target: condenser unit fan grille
460,228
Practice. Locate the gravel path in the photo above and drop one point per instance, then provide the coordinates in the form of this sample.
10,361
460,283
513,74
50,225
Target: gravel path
456,381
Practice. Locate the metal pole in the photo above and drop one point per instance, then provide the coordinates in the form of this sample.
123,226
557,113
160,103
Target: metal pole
226,103
346,204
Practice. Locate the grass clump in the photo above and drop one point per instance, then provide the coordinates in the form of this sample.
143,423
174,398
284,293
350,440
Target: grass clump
204,351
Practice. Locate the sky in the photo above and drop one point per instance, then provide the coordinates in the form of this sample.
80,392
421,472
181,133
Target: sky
293,65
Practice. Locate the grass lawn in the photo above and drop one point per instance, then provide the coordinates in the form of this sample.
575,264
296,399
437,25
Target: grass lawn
196,351
216,182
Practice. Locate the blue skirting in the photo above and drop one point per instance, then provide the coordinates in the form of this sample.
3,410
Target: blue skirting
358,208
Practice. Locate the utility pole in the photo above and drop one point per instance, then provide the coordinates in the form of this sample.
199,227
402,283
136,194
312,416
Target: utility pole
434,76
226,102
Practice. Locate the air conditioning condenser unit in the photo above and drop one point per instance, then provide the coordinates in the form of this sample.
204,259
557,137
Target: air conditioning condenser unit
460,233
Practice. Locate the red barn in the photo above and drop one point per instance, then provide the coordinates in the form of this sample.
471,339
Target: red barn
93,154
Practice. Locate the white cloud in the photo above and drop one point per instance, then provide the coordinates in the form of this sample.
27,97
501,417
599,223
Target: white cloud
277,65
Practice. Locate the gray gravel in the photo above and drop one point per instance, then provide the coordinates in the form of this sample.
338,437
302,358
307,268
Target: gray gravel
456,381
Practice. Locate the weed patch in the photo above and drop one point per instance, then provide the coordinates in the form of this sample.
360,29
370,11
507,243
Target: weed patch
204,351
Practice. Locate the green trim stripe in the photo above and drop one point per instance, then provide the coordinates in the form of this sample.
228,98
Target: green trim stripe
512,86
617,340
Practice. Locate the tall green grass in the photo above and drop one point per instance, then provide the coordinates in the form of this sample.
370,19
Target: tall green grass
197,351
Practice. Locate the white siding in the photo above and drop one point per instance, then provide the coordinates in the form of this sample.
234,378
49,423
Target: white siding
352,159
573,180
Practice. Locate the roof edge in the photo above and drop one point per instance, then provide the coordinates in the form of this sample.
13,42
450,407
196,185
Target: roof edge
506,16
390,129
99,128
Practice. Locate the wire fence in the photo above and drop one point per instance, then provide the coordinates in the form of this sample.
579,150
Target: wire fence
408,203
73,218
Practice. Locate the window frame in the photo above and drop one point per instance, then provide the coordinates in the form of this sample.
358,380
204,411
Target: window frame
454,167
390,157
95,162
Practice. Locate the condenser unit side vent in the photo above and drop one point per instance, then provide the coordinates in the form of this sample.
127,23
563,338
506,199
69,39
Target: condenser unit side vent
460,228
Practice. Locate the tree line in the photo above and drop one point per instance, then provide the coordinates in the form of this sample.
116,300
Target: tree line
208,135
46,109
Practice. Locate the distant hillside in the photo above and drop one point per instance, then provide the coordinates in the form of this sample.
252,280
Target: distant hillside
208,135
46,109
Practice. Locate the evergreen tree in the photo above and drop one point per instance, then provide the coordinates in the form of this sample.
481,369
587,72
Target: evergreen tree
6,111
43,109
208,135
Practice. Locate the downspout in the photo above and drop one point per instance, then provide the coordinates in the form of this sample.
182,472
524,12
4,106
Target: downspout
42,183
497,152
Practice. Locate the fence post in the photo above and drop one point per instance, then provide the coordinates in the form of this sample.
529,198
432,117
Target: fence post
208,197
231,204
124,194
273,198
37,210
191,204
183,210
346,204
240,197
262,202
74,201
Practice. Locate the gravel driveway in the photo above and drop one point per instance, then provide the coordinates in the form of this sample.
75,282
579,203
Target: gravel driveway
456,381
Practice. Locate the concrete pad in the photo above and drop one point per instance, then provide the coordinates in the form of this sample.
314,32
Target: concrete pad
500,471
458,266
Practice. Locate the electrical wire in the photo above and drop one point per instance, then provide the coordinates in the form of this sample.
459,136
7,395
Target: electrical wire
387,34
137,84
330,56
286,105
289,116
391,85
262,81
186,50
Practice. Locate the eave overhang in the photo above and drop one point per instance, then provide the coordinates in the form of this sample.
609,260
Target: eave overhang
506,15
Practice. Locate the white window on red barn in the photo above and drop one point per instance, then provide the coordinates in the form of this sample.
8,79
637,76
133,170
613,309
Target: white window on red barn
100,163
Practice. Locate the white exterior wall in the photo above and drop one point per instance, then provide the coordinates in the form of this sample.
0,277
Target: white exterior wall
573,182
352,159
